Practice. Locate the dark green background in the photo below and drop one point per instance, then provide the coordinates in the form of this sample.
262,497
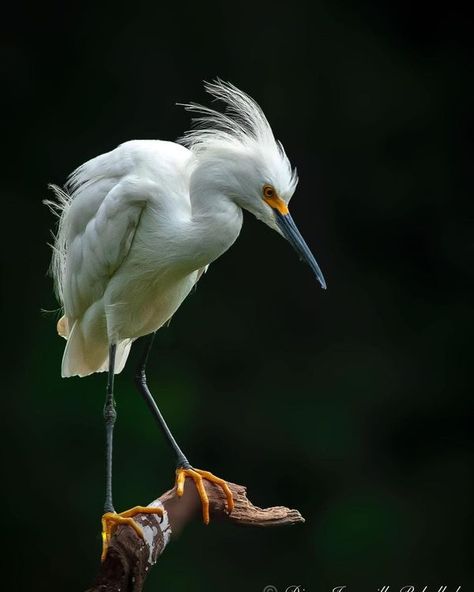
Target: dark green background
352,405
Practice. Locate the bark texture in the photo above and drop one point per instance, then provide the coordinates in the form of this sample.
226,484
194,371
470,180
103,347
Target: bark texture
130,558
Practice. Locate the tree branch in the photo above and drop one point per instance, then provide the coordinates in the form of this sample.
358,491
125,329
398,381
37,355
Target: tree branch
130,558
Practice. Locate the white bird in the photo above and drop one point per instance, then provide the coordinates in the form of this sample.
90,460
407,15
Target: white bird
139,225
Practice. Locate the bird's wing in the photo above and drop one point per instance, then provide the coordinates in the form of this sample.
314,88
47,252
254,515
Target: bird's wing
96,232
100,211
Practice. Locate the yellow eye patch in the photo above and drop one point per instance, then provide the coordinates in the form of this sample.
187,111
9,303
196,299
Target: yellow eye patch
270,196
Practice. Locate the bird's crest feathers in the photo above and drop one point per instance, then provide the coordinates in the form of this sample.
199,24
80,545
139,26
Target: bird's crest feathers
243,119
242,125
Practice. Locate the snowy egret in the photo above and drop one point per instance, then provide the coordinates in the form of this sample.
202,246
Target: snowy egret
139,225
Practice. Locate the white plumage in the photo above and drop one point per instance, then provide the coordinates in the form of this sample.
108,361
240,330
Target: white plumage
138,225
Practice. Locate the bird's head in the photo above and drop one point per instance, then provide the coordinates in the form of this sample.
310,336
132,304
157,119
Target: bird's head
238,150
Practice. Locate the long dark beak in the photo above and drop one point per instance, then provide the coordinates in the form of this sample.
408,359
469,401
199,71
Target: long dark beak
293,236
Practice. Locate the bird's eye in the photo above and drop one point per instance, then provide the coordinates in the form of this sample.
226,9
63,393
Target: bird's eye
268,191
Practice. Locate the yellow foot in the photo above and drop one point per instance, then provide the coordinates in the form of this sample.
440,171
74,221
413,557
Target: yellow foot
197,475
111,520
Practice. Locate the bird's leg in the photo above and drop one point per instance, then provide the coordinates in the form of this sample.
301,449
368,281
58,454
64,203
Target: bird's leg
140,378
110,415
110,519
183,466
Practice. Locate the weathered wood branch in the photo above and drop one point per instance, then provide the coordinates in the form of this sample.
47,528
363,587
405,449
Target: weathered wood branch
130,558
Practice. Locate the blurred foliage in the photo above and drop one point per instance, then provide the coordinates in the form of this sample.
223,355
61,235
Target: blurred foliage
353,404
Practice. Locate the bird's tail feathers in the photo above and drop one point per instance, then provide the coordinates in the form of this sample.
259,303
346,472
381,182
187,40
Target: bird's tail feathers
121,355
83,357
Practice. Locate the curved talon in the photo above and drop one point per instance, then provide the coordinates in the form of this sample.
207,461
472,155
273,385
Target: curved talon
110,521
198,475
223,484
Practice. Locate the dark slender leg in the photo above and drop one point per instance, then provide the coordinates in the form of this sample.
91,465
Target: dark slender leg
140,379
110,415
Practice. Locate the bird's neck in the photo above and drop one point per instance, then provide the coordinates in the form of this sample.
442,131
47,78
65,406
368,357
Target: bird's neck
216,219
